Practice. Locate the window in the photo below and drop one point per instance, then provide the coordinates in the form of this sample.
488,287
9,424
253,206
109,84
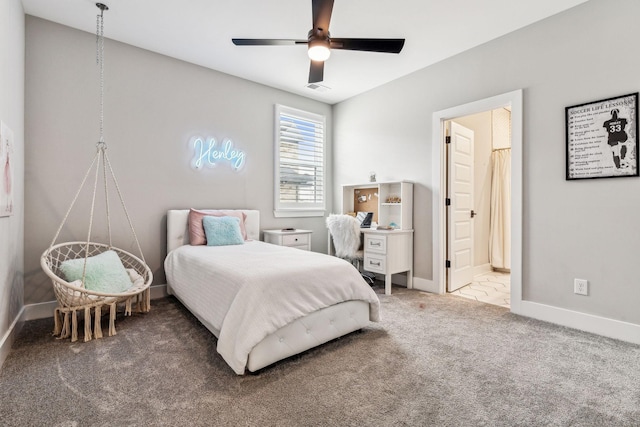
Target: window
299,163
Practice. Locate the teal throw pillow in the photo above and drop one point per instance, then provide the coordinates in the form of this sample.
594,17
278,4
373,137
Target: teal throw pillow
222,231
105,273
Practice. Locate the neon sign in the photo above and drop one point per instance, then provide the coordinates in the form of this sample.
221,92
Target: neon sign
207,154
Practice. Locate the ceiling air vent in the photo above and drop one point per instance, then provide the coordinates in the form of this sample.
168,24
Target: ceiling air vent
318,87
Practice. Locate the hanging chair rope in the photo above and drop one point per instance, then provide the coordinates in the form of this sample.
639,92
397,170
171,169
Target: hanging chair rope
100,63
106,200
102,160
126,212
73,202
93,204
71,296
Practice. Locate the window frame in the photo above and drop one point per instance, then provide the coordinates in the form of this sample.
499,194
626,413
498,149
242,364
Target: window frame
297,209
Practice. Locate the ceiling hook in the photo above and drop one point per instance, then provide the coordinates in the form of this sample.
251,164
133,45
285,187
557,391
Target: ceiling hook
102,7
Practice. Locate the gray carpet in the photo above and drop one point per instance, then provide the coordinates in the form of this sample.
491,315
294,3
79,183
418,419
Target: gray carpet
432,361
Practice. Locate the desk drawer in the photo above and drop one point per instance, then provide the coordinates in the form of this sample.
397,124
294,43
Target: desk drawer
295,240
375,264
377,244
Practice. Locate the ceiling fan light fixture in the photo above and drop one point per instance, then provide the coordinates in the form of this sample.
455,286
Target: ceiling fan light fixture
319,50
319,42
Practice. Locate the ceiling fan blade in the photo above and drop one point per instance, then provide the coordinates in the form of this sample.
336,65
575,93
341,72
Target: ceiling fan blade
369,45
267,42
316,71
322,14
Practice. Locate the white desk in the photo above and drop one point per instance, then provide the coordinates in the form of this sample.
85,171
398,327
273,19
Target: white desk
387,252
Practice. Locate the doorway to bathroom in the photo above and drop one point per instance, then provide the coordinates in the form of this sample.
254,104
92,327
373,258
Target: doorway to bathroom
478,188
508,271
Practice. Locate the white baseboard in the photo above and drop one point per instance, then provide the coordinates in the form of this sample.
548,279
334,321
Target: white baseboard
611,328
585,322
425,285
10,336
482,269
44,310
159,291
418,283
41,310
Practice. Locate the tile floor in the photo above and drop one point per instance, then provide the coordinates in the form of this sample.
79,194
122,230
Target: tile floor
493,288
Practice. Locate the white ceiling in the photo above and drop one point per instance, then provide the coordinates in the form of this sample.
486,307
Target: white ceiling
200,32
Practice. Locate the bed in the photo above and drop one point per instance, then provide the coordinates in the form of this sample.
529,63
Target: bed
264,302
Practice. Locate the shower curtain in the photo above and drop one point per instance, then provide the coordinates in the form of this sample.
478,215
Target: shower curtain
500,223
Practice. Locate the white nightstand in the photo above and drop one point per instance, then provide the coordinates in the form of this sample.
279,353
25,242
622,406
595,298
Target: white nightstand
300,239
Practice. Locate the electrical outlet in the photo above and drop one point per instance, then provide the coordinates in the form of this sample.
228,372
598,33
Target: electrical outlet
580,287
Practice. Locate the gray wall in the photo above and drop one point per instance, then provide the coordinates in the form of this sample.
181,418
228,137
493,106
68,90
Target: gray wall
12,114
586,229
153,105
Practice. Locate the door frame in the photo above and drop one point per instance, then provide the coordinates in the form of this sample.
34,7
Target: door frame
438,163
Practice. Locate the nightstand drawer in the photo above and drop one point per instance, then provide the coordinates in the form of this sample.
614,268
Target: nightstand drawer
376,244
295,240
374,264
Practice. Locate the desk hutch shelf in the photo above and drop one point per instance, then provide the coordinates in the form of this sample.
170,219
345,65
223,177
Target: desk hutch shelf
386,252
391,202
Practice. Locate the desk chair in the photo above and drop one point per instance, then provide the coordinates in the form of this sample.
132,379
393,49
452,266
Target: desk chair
345,233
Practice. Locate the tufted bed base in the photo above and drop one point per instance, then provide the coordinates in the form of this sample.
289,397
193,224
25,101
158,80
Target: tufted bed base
298,336
310,331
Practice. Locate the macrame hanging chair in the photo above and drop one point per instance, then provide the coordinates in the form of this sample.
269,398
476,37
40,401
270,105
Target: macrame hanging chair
73,296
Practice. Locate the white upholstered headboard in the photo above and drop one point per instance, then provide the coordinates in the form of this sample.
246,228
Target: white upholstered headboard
178,226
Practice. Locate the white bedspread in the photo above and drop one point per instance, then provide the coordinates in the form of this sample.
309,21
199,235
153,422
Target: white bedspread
249,291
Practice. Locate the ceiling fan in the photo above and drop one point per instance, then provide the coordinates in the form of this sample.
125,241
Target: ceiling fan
320,42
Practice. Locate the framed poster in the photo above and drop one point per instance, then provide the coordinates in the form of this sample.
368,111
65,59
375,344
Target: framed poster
602,138
6,170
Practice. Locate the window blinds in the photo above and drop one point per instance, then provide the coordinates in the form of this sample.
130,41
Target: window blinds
300,164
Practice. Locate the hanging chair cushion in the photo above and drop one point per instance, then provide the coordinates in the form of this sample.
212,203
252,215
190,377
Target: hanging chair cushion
104,272
222,231
136,279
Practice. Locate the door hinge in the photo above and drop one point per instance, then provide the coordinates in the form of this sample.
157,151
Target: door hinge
447,264
447,201
447,140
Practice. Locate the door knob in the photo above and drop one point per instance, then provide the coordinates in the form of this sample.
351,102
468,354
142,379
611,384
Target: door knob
473,213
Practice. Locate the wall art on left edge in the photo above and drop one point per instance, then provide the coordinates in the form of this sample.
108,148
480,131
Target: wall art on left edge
7,152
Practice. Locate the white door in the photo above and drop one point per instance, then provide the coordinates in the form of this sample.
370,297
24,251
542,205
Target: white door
460,211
